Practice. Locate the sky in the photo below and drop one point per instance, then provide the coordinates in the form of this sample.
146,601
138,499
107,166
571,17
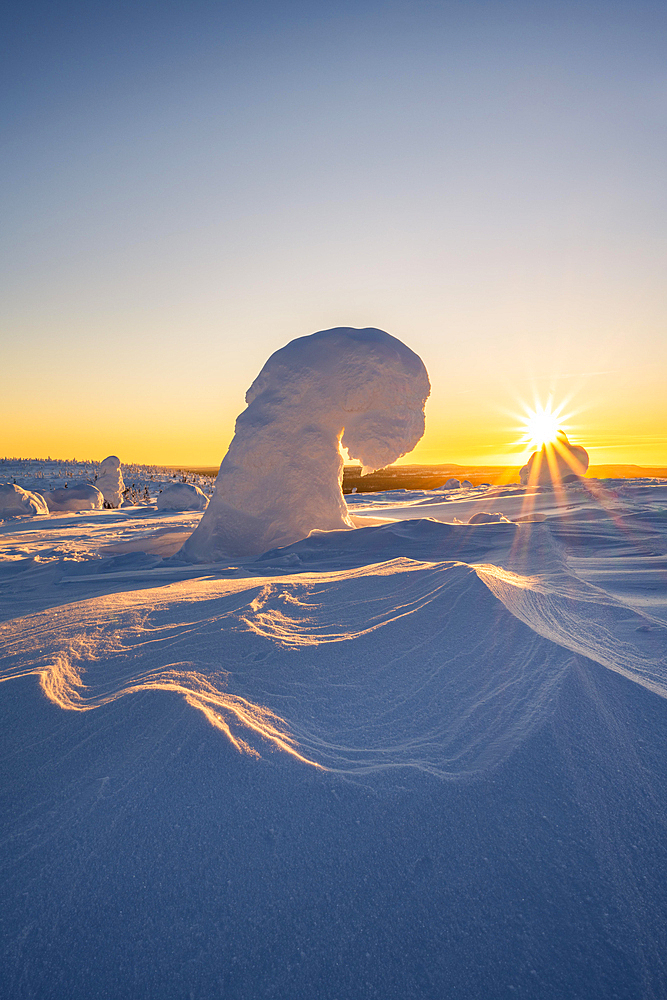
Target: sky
186,188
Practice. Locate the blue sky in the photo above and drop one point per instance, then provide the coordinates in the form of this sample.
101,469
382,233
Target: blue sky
186,189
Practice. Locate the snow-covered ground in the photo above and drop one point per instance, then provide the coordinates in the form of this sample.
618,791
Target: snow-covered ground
421,758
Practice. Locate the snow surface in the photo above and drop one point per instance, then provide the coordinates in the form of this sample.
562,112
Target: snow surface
423,758
110,481
181,496
281,477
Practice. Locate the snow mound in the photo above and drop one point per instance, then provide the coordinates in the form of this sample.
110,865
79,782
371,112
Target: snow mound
452,484
16,501
181,496
80,496
557,462
110,481
281,477
482,517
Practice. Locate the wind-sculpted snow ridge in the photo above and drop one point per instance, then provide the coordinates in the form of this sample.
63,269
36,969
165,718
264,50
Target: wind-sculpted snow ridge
118,662
587,621
281,477
409,644
421,539
444,667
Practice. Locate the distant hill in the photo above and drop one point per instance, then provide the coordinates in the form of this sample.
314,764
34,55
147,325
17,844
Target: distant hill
430,477
628,472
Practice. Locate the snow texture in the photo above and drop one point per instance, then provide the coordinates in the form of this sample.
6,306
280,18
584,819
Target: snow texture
181,496
79,496
110,481
281,478
15,501
560,462
419,759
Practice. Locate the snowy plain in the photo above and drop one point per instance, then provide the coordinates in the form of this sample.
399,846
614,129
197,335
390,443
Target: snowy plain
419,758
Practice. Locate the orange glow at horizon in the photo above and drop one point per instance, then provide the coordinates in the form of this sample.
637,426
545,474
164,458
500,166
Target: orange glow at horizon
474,429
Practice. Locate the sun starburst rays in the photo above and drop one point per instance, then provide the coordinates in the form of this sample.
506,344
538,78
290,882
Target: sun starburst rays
541,425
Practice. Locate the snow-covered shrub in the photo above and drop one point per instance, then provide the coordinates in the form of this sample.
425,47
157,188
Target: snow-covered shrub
16,501
181,496
110,481
281,477
80,496
557,462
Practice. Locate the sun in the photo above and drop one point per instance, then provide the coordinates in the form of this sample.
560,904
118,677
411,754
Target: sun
542,425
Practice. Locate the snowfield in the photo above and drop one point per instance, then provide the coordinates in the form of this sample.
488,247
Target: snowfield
421,758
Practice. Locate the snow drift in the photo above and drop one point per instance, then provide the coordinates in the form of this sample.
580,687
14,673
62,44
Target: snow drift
16,501
80,496
110,481
281,477
181,496
554,463
484,517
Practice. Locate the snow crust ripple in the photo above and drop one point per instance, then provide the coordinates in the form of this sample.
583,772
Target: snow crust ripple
444,666
363,670
411,643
